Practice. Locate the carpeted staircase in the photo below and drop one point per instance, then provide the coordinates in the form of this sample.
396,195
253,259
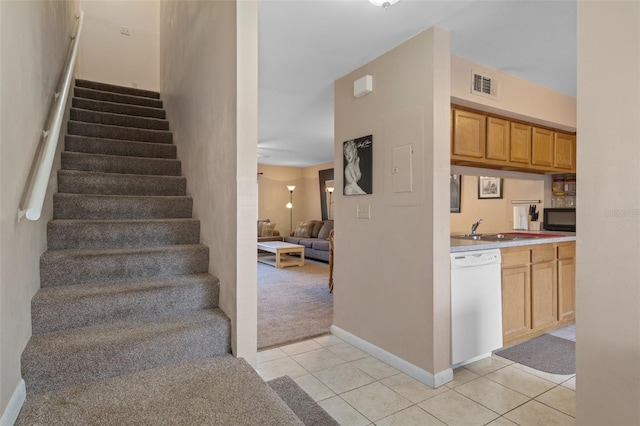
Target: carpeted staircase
125,286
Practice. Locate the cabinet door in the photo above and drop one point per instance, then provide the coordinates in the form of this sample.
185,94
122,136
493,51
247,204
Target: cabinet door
468,134
520,149
566,289
542,147
516,302
544,294
498,132
564,151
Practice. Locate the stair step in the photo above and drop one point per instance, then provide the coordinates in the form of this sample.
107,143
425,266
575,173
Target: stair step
222,390
117,89
72,267
81,182
67,358
122,148
107,234
117,132
122,120
118,108
99,95
105,207
120,164
76,306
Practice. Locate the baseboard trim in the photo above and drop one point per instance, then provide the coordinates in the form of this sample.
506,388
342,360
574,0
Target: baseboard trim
10,414
423,376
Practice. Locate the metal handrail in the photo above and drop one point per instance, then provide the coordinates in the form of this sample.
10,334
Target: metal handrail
31,207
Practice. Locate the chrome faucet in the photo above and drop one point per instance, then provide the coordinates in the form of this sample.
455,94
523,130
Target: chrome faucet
474,227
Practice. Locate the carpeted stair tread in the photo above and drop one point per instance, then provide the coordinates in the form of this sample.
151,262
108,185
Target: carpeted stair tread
114,119
99,95
118,108
117,89
81,128
105,146
67,307
220,391
71,267
71,357
120,164
105,234
81,182
101,207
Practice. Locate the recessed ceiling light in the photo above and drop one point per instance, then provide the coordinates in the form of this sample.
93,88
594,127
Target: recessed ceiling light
385,4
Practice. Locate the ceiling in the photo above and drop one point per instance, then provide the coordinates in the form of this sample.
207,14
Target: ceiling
304,45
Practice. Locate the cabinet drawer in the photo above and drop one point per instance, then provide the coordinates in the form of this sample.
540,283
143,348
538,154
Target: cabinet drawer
543,253
512,257
567,251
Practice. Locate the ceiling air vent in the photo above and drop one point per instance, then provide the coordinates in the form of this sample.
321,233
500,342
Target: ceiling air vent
484,85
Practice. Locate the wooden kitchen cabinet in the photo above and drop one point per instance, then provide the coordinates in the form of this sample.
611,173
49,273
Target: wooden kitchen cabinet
564,151
516,302
542,147
498,139
469,134
566,281
544,286
520,150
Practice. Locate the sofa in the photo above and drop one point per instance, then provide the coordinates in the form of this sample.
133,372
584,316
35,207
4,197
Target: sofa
314,236
267,231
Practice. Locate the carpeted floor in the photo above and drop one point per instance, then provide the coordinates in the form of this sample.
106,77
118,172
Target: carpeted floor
293,303
546,353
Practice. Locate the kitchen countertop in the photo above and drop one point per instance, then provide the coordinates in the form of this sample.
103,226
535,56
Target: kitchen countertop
458,245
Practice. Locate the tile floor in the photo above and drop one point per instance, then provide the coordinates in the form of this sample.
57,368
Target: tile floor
357,389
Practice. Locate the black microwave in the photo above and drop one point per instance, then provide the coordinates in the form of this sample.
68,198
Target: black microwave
560,219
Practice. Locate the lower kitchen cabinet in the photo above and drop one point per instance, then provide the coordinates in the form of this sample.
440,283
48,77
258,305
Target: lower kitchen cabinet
538,290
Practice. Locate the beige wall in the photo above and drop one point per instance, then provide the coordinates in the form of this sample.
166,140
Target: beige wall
396,264
519,98
35,37
209,84
107,56
273,194
608,249
497,214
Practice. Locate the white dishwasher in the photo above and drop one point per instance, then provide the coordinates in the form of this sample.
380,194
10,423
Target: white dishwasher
476,305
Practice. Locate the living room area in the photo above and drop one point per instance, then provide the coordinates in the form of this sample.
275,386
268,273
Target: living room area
295,211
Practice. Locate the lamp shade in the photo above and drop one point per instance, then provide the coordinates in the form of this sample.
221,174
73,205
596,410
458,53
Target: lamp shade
330,189
289,206
291,187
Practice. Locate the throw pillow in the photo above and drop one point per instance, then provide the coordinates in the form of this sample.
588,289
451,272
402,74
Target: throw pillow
317,225
260,224
327,226
303,230
267,229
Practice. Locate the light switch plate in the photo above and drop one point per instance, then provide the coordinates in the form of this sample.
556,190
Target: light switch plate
363,211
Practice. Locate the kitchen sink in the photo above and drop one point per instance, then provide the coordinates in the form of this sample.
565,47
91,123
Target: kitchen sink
506,236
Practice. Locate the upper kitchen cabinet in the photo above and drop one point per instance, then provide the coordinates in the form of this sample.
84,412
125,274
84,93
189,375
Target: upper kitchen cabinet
468,138
486,140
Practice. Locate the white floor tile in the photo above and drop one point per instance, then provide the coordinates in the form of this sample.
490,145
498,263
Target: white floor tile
412,416
280,367
455,409
328,340
534,413
375,368
342,412
412,389
347,352
343,378
485,366
492,395
300,347
555,378
318,359
376,401
501,421
270,355
571,383
314,387
520,381
560,398
460,376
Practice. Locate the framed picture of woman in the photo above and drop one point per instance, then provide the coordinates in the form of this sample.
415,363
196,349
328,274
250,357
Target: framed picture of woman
358,166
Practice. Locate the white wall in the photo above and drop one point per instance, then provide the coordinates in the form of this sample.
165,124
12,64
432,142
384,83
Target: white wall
395,266
107,56
35,37
208,71
520,99
608,247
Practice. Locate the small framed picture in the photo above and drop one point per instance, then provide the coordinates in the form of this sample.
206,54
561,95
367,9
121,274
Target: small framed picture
455,182
489,187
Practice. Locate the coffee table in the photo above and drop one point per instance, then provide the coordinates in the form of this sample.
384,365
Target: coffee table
281,251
